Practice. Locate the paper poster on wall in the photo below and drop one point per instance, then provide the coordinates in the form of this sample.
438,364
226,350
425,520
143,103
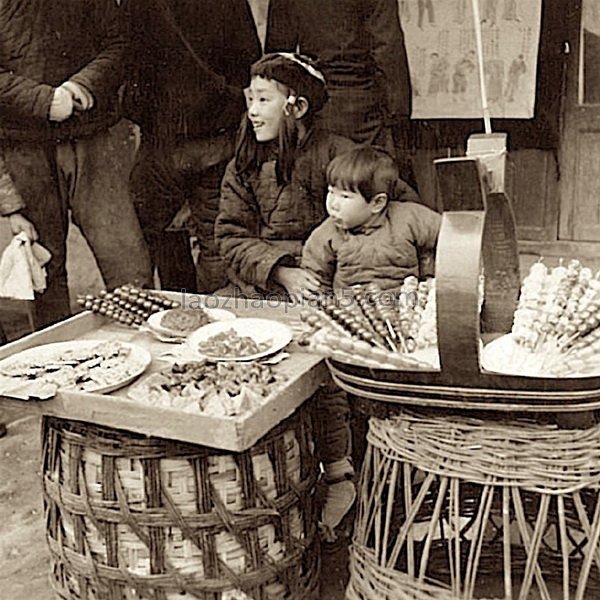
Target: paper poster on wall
441,47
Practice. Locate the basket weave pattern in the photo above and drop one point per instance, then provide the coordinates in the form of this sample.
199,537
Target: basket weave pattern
445,500
147,518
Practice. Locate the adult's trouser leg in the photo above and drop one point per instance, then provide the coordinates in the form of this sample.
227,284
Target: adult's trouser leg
158,193
94,173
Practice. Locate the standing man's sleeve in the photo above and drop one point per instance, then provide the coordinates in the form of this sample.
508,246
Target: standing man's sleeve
389,52
103,75
282,27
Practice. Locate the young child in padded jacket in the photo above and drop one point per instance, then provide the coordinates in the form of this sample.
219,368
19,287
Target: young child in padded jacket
370,236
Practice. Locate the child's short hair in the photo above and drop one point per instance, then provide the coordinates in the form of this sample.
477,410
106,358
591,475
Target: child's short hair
367,170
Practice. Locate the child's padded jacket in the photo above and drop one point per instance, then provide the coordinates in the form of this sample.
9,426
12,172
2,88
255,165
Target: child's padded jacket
399,243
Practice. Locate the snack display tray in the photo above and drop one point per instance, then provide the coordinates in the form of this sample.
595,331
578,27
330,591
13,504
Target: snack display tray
477,231
302,373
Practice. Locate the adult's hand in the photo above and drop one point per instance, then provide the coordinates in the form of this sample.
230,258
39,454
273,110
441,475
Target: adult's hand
18,223
298,282
82,97
61,107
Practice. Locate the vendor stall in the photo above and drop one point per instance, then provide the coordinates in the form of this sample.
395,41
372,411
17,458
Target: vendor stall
151,494
482,452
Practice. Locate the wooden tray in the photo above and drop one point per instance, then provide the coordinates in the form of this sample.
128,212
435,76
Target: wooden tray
477,229
302,373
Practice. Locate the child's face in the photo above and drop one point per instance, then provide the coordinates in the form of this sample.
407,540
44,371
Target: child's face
265,101
347,208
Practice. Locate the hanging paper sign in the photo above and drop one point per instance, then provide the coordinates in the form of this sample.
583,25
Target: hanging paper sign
442,55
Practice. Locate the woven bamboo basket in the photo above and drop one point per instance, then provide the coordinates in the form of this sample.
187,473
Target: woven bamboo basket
447,501
131,517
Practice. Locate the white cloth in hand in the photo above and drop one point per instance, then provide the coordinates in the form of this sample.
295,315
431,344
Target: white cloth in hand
22,269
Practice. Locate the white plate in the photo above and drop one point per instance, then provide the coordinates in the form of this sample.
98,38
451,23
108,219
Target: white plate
214,314
260,330
133,366
505,356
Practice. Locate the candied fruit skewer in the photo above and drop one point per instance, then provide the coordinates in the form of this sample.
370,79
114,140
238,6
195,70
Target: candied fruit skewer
367,306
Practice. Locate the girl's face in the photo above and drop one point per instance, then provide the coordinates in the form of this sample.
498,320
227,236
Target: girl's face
347,208
265,101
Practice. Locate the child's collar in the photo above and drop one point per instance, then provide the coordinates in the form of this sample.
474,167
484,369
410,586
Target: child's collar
369,227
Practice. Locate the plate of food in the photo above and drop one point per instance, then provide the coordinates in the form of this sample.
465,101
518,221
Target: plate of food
180,322
505,355
239,339
98,366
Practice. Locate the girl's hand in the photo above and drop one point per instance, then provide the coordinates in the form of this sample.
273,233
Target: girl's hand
298,282
18,224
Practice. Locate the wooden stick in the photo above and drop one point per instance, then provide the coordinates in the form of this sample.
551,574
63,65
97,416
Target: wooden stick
506,543
564,545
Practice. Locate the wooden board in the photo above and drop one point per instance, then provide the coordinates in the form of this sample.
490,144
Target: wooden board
302,373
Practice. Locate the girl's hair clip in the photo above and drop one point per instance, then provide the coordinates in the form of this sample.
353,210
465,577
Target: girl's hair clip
289,103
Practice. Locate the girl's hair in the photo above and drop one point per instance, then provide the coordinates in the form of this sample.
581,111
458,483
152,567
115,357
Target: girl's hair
299,77
367,170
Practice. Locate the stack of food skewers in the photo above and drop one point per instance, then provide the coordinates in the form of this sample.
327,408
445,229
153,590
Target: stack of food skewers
127,304
556,324
376,327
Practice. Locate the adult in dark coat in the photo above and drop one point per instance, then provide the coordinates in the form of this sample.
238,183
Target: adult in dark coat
191,60
61,68
360,48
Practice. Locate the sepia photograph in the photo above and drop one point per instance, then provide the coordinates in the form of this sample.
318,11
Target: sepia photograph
300,299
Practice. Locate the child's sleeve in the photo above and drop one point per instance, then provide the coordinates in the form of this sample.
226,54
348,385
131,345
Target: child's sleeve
425,226
318,256
237,234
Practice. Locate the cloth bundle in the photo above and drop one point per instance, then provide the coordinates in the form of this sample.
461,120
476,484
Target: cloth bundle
22,271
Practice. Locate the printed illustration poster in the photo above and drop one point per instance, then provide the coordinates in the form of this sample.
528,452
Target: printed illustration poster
442,54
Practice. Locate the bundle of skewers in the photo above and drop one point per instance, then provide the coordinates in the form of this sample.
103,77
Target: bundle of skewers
375,326
127,304
556,324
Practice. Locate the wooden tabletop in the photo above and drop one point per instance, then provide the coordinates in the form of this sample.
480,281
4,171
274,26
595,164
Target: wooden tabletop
302,373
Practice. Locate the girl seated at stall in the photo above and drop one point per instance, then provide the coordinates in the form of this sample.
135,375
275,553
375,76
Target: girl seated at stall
272,194
272,197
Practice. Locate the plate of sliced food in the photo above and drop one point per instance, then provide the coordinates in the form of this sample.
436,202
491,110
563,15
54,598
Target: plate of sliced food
239,339
180,322
98,366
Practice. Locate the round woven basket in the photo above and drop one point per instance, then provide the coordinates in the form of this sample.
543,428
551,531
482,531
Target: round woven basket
131,517
447,501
